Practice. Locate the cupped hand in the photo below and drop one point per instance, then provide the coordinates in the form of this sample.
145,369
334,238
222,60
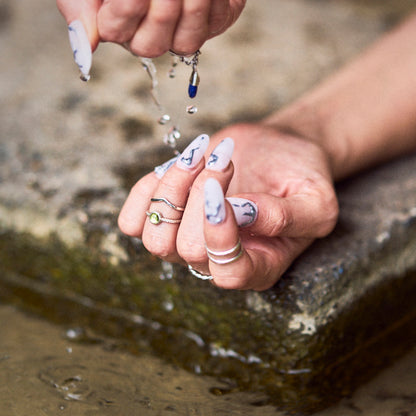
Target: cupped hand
149,28
279,198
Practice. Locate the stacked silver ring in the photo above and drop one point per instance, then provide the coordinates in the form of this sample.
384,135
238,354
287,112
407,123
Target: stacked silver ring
226,256
155,217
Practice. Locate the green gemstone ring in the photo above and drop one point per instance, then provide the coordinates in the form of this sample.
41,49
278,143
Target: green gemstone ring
156,218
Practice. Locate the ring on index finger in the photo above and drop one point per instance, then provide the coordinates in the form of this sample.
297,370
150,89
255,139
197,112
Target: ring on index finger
167,202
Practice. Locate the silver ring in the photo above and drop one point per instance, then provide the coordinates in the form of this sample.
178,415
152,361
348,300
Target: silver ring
198,274
226,261
156,218
224,253
217,256
166,201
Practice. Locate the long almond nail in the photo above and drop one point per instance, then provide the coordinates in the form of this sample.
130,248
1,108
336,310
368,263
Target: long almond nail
214,202
81,48
221,155
191,156
245,211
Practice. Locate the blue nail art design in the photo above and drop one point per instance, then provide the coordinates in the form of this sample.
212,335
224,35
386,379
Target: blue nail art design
214,202
81,48
194,152
212,159
220,157
245,211
212,212
188,160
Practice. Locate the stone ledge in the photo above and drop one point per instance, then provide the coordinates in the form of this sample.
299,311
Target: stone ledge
344,309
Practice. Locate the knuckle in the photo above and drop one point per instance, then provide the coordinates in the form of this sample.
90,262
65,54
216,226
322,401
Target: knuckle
127,225
329,214
163,18
158,246
151,50
188,45
128,10
278,221
192,253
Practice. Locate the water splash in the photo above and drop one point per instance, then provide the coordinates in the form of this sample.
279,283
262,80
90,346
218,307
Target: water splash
164,119
191,109
172,136
150,68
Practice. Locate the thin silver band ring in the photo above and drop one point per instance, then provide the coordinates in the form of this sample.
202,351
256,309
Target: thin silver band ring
220,257
198,274
225,252
166,201
225,261
156,218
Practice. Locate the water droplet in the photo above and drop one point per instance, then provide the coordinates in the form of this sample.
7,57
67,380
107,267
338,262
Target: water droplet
164,119
172,137
75,333
191,109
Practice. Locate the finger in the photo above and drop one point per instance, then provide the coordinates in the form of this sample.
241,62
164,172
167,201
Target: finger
190,240
133,213
164,216
229,263
86,12
192,29
118,20
155,33
299,216
250,263
223,14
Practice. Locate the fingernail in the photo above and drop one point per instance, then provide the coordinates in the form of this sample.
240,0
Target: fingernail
245,211
191,156
81,48
214,202
164,167
220,157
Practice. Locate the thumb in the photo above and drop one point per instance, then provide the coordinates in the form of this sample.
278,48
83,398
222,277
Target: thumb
301,215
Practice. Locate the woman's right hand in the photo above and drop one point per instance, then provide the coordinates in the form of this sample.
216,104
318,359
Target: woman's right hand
149,28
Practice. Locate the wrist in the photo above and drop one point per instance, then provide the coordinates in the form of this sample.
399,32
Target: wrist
307,119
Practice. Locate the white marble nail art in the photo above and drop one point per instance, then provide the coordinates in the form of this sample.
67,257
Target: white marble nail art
245,211
164,167
221,155
194,152
214,201
81,48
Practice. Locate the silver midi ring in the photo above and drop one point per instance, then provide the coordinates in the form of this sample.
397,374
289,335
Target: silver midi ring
217,256
167,202
156,218
198,274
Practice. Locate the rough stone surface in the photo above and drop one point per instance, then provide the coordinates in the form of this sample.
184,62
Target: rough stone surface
69,152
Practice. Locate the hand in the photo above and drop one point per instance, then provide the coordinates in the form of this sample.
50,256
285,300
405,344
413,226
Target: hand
285,178
149,28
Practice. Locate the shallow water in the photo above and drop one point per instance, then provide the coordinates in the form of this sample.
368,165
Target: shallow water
51,370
